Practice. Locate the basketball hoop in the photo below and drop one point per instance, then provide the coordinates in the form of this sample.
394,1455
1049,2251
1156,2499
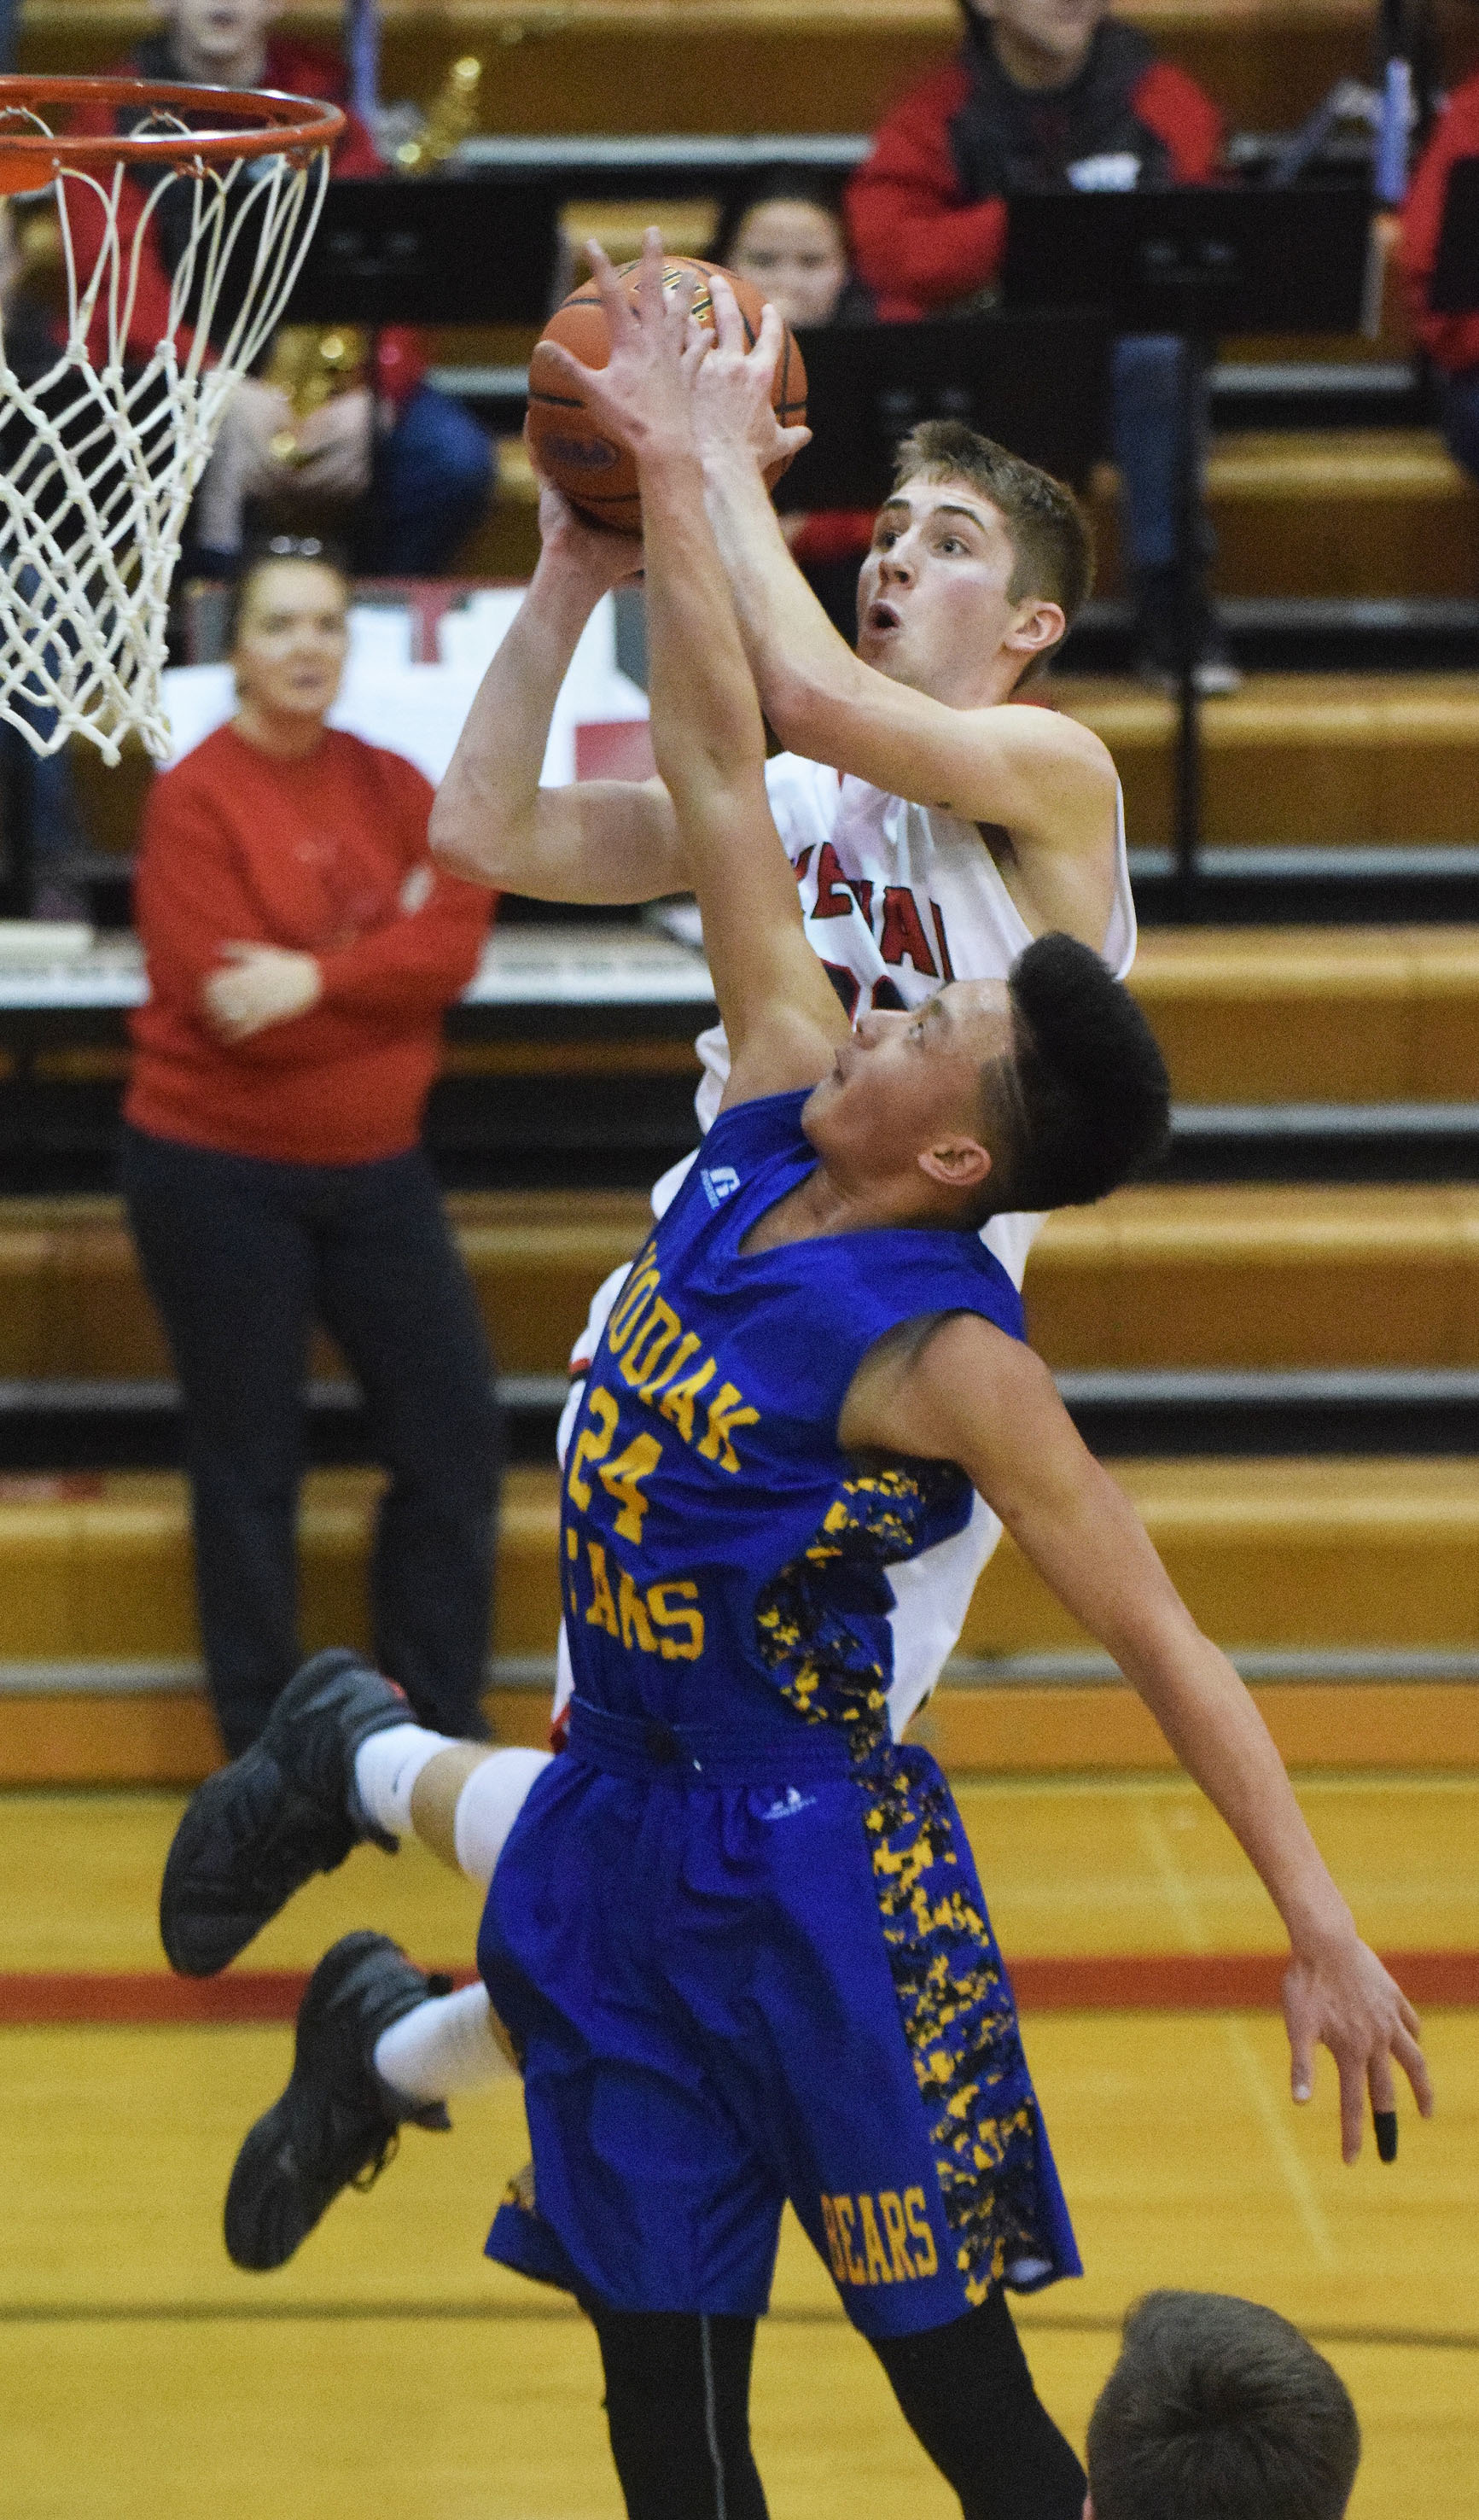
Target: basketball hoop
102,445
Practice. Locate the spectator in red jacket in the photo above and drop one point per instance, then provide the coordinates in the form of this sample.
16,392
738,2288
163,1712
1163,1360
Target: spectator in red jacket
1049,92
433,466
301,948
1451,342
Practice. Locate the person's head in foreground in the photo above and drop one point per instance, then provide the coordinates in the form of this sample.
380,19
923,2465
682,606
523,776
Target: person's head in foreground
1043,1089
287,638
978,559
1219,2410
786,238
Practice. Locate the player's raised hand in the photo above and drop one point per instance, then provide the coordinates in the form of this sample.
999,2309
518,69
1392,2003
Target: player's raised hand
1344,1999
733,408
644,393
597,553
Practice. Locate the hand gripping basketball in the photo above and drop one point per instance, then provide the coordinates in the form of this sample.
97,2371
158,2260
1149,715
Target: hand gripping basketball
614,356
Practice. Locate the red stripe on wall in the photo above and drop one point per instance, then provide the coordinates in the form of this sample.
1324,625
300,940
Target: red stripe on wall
1159,1982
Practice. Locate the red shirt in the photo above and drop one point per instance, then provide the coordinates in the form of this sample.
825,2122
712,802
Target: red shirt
920,232
328,855
1451,340
294,69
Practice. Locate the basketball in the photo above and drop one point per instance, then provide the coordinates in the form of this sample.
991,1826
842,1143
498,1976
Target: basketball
593,468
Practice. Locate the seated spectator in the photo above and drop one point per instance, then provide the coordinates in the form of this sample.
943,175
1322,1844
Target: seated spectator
1219,2410
432,466
301,948
1451,342
787,236
1044,94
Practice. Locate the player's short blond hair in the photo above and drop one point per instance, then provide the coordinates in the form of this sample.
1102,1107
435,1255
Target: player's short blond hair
1048,529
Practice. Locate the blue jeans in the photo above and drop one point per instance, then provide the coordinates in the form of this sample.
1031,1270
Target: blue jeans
434,478
1458,413
242,1257
1145,383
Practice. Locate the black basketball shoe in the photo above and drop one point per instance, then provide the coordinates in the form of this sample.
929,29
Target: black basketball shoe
286,1808
336,2124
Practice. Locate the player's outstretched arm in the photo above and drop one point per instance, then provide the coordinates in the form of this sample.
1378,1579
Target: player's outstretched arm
605,840
778,1008
1042,778
964,1391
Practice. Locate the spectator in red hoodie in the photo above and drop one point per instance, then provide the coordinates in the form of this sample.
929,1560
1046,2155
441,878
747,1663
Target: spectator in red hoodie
433,466
1451,342
1049,92
301,948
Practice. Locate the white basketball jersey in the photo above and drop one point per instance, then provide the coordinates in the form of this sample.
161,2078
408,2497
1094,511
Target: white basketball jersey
899,899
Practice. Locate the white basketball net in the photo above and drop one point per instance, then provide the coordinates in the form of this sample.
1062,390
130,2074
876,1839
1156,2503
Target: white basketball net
93,502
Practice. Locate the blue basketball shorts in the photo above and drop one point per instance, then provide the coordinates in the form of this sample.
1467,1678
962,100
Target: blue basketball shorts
774,1979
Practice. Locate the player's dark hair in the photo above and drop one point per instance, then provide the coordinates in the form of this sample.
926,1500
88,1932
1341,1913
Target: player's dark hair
313,550
1082,1101
1048,529
1221,2409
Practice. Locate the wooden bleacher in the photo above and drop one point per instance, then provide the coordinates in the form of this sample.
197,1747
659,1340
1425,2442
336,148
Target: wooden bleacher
1348,760
1321,1555
1255,1275
1338,511
1340,1014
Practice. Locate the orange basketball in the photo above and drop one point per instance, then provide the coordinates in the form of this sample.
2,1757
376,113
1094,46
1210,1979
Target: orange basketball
593,468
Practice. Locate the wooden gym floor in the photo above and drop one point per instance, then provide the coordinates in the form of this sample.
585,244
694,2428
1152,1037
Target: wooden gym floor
393,2370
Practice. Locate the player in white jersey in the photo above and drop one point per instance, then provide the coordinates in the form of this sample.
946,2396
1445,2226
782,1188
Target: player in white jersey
935,826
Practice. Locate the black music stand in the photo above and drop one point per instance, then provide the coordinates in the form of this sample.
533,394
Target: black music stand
478,248
1198,262
1035,383
1455,288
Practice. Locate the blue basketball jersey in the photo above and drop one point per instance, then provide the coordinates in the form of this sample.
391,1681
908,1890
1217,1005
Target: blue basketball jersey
719,1549
737,1933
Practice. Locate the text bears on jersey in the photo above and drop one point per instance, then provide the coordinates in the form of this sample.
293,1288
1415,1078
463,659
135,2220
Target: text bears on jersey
879,2240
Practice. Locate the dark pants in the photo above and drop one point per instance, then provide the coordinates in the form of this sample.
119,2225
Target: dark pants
1459,409
1144,397
678,2410
434,478
242,1258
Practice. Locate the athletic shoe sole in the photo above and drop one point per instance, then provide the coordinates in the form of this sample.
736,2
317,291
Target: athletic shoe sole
258,1830
336,2124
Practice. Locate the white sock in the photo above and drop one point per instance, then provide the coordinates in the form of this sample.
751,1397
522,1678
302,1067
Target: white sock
385,1767
443,2045
487,1807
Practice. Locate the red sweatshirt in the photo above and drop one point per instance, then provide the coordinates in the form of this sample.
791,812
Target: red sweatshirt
1451,340
329,856
296,69
926,210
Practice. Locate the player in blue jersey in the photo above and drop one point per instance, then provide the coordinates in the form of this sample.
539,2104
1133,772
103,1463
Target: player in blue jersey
735,1936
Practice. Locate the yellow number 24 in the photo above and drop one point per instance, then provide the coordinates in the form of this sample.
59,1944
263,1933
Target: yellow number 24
620,1479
